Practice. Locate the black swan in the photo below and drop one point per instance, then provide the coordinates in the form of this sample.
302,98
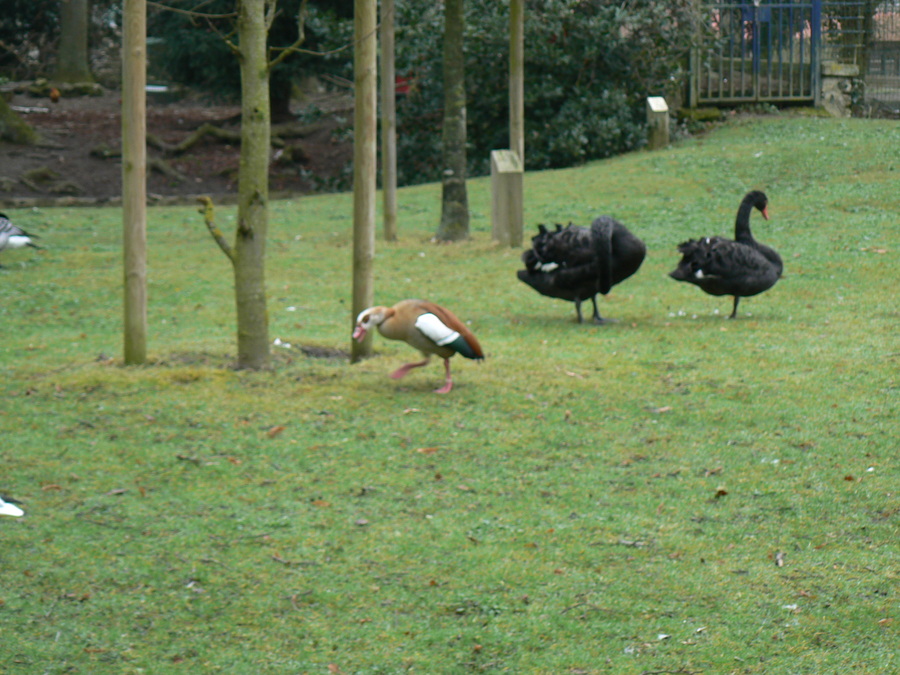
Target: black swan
575,263
741,268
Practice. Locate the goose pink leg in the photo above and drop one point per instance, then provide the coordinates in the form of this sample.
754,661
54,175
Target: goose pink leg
406,367
448,382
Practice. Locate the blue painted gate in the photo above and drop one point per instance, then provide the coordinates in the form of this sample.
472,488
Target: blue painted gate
757,51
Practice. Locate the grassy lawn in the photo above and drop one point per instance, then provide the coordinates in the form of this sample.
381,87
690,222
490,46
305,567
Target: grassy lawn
672,493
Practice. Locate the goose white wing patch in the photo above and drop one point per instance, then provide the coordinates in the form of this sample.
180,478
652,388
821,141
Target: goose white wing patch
7,509
435,329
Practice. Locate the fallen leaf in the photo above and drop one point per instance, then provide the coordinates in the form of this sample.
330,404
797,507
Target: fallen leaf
361,522
848,477
274,431
51,486
426,451
721,492
321,503
234,460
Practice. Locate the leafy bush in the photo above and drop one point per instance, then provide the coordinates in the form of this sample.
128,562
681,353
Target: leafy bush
589,65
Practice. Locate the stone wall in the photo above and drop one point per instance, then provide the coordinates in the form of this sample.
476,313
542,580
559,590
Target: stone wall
837,85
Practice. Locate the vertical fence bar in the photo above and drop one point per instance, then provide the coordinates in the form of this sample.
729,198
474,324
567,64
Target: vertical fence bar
781,51
816,25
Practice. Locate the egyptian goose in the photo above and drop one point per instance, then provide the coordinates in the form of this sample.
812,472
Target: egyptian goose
7,509
575,263
428,327
12,236
741,268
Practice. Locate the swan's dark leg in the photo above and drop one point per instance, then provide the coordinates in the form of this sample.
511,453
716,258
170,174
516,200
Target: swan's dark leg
578,310
599,320
734,311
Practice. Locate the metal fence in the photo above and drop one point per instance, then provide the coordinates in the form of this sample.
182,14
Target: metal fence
768,50
882,75
753,52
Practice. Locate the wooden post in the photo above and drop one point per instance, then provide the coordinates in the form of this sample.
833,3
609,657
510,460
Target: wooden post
365,139
506,198
657,122
134,179
388,122
517,79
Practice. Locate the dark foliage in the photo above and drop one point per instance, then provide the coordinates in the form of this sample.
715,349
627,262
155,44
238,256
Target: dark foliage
192,50
29,34
589,65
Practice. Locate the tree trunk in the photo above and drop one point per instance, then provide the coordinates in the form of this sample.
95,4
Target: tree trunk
280,89
454,200
134,179
388,122
517,79
253,189
72,55
13,128
365,66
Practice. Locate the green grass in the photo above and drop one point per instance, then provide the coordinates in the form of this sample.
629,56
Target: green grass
583,492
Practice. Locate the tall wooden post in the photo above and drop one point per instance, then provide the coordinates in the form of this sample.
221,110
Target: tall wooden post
517,79
388,122
134,178
365,59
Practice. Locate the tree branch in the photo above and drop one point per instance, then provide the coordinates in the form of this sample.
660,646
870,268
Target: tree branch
284,52
301,37
208,212
190,12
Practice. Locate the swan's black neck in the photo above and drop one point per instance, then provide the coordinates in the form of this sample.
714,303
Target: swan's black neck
742,220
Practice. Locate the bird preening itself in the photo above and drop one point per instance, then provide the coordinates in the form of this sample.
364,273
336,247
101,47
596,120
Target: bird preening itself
14,237
7,509
430,328
575,263
741,268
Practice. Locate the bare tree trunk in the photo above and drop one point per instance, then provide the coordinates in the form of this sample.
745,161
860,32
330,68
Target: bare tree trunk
13,128
72,57
454,200
253,188
134,179
388,122
517,79
365,65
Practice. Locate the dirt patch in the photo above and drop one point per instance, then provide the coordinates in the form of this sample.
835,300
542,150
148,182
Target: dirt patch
79,157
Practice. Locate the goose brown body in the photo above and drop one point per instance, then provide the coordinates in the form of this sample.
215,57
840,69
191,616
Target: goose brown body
425,326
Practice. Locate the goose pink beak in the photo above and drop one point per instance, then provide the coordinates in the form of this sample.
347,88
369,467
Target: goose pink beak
359,333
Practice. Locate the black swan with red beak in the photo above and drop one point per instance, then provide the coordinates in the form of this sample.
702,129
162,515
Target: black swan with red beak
741,268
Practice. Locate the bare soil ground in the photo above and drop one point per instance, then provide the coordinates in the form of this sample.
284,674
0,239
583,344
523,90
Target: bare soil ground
78,159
